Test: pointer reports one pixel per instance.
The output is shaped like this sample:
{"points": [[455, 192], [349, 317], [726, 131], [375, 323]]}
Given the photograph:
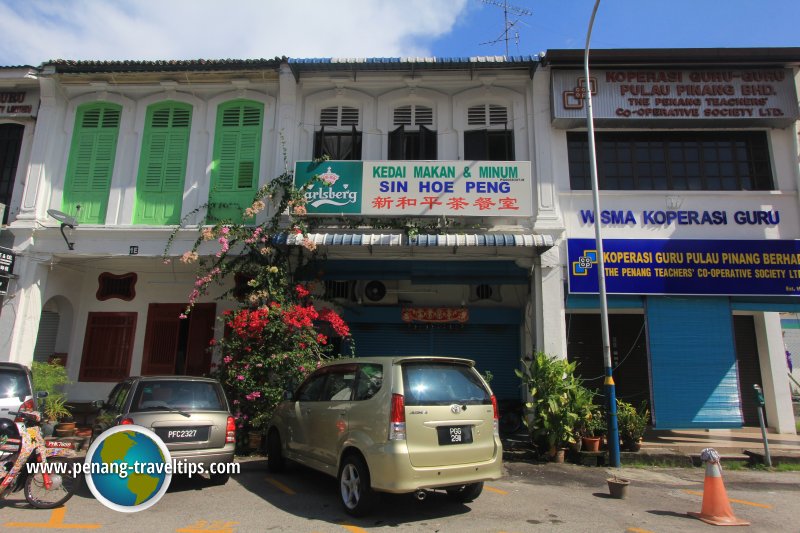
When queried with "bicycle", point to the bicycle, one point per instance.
{"points": [[43, 489]]}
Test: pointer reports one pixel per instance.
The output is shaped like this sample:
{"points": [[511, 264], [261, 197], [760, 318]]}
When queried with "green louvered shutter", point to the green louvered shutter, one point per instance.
{"points": [[237, 149], [91, 162], [162, 168]]}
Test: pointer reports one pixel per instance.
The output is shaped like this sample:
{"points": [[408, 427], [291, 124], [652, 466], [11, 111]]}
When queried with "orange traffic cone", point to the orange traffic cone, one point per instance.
{"points": [[716, 509]]}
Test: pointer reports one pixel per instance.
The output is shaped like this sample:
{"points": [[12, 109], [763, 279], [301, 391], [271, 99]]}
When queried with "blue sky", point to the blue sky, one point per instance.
{"points": [[34, 31]]}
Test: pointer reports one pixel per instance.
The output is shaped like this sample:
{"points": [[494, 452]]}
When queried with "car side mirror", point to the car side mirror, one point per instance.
{"points": [[288, 395], [98, 404]]}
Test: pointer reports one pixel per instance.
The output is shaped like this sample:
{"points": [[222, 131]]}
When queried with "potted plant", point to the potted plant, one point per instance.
{"points": [[594, 429], [581, 402], [551, 384], [632, 424], [51, 378]]}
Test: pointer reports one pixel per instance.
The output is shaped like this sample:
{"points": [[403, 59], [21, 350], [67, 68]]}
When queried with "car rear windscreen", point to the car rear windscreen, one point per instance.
{"points": [[426, 383], [13, 384], [184, 395]]}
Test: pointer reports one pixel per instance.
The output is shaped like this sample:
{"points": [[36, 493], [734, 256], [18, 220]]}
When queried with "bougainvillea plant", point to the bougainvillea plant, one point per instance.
{"points": [[278, 333]]}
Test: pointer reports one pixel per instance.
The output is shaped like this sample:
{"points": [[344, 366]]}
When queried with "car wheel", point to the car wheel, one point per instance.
{"points": [[275, 461], [219, 479], [465, 493], [358, 497]]}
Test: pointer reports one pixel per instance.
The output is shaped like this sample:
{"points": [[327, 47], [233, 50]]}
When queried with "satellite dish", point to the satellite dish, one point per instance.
{"points": [[66, 222], [62, 217]]}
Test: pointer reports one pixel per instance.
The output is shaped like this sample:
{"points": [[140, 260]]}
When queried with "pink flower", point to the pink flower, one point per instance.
{"points": [[182, 316], [225, 230], [240, 377], [227, 358]]}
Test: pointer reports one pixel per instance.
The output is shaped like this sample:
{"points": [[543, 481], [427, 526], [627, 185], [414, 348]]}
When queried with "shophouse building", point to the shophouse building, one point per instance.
{"points": [[425, 242], [697, 160], [458, 220]]}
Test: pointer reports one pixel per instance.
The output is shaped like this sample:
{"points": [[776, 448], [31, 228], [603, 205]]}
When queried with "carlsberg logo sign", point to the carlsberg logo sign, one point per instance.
{"points": [[338, 189]]}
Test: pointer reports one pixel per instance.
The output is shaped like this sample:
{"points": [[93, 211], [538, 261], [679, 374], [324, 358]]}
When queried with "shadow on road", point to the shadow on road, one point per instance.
{"points": [[316, 497]]}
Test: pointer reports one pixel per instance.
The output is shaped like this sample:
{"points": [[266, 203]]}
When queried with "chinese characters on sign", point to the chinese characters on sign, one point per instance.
{"points": [[436, 315], [680, 266], [6, 270], [419, 188]]}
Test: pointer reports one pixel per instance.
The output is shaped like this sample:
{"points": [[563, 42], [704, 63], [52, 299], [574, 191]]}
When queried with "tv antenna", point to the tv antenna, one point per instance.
{"points": [[514, 10]]}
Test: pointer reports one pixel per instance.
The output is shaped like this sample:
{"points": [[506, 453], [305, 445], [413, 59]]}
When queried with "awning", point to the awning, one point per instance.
{"points": [[527, 240]]}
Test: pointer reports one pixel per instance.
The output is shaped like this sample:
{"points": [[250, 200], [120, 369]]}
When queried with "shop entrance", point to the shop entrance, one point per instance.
{"points": [[744, 331], [493, 347], [628, 354]]}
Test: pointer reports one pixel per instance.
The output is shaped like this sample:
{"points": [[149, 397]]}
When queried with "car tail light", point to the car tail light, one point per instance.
{"points": [[397, 425], [230, 430], [126, 422], [27, 405], [496, 421]]}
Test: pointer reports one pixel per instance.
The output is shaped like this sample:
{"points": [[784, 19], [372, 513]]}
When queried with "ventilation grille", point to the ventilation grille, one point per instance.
{"points": [[416, 115], [483, 115], [101, 118], [339, 116], [342, 290]]}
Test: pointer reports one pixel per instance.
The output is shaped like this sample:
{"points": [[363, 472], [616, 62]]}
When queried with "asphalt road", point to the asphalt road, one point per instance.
{"points": [[531, 497]]}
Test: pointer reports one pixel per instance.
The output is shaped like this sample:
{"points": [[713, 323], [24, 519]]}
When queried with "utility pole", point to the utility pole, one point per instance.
{"points": [[608, 384], [507, 8]]}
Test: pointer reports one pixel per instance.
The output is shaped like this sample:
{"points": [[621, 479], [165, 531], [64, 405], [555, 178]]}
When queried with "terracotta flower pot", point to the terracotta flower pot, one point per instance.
{"points": [[590, 444], [254, 440]]}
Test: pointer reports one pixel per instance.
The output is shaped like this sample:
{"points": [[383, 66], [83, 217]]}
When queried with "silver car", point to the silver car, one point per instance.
{"points": [[190, 414], [392, 424], [16, 391]]}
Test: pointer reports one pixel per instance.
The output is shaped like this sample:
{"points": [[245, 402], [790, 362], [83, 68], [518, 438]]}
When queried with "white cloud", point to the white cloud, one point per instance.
{"points": [[35, 31]]}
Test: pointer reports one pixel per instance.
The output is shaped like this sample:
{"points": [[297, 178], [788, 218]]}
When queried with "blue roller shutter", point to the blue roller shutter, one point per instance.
{"points": [[693, 363], [495, 348]]}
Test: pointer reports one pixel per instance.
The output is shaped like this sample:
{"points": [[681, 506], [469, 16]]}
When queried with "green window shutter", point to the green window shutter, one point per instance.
{"points": [[237, 151], [162, 167], [91, 162]]}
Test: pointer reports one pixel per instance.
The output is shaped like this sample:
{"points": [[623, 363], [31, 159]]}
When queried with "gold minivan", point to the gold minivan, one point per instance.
{"points": [[391, 424]]}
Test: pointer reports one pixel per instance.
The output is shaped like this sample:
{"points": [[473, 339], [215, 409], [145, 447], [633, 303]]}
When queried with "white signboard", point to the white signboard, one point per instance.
{"points": [[419, 188], [755, 97], [15, 103]]}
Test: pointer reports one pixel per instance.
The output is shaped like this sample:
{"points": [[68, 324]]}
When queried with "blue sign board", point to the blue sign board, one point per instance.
{"points": [[681, 266]]}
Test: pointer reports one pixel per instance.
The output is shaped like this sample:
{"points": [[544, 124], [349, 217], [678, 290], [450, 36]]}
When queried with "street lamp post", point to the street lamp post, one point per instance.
{"points": [[608, 384]]}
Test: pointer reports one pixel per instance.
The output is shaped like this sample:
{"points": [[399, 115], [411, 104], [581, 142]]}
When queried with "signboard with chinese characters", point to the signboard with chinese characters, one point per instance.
{"points": [[6, 270], [764, 97], [18, 103], [418, 188], [685, 266]]}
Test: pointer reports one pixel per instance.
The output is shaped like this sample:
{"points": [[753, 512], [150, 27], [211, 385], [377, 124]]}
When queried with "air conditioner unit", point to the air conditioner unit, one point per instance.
{"points": [[376, 292], [484, 292]]}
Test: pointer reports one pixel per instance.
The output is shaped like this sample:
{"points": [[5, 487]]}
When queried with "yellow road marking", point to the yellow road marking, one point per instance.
{"points": [[56, 522], [354, 529], [206, 526], [638, 530], [280, 486], [492, 489], [743, 502]]}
